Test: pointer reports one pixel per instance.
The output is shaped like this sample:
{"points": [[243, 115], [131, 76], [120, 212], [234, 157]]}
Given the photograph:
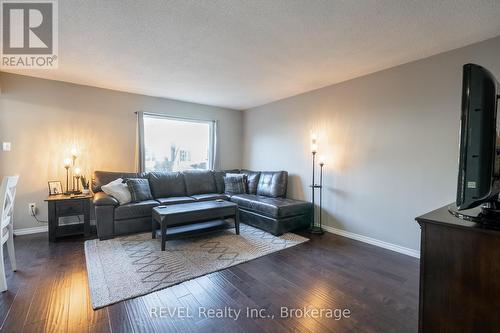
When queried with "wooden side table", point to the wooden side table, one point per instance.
{"points": [[66, 205]]}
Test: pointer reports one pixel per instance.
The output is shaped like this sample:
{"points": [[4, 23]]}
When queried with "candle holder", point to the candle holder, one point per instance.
{"points": [[74, 174], [74, 155], [67, 164], [77, 190], [78, 174]]}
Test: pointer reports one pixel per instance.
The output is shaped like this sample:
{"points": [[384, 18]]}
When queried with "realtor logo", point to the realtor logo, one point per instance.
{"points": [[29, 34]]}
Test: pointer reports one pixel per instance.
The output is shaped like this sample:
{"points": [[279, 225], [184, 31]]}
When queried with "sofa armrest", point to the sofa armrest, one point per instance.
{"points": [[104, 214], [105, 221], [102, 199]]}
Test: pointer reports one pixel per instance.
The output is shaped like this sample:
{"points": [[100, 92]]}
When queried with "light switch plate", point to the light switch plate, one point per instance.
{"points": [[6, 146]]}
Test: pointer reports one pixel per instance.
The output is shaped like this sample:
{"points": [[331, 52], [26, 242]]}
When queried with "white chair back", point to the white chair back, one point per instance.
{"points": [[7, 198]]}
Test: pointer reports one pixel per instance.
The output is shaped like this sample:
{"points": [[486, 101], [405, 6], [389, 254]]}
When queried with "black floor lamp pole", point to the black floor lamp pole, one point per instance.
{"points": [[313, 188], [321, 164], [314, 229]]}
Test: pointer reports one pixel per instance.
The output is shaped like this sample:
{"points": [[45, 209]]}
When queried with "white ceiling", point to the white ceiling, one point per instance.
{"points": [[241, 54]]}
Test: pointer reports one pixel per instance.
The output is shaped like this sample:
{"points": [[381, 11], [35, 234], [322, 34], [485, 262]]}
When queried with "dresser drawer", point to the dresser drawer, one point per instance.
{"points": [[69, 208]]}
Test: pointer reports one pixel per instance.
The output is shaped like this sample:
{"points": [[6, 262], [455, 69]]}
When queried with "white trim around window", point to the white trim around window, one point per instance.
{"points": [[145, 162]]}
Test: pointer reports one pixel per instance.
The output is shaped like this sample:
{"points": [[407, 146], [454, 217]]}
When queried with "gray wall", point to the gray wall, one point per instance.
{"points": [[44, 118], [390, 139]]}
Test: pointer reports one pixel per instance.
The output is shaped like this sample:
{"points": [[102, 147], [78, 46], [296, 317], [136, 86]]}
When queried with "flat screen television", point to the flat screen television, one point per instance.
{"points": [[479, 160]]}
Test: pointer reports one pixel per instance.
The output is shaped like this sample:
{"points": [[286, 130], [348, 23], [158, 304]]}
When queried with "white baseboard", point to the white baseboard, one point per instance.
{"points": [[373, 241], [28, 231]]}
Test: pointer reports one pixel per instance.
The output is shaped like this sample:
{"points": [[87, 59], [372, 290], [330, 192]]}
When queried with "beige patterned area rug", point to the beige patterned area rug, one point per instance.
{"points": [[131, 266]]}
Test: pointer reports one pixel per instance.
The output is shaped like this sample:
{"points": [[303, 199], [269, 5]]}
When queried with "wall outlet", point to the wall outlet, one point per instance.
{"points": [[6, 146], [32, 209]]}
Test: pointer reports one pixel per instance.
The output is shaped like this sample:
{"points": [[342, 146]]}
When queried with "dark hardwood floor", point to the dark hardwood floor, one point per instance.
{"points": [[49, 292]]}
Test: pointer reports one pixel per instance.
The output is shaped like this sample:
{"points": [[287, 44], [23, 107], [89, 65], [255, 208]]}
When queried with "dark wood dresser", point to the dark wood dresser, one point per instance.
{"points": [[459, 275]]}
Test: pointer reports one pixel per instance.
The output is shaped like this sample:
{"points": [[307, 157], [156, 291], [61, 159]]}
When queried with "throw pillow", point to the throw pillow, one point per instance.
{"points": [[235, 183], [139, 189], [118, 190]]}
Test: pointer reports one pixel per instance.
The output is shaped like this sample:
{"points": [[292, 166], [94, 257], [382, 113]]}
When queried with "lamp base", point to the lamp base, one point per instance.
{"points": [[316, 230], [72, 192]]}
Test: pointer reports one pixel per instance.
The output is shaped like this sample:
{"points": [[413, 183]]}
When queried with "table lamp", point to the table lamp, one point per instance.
{"points": [[67, 165]]}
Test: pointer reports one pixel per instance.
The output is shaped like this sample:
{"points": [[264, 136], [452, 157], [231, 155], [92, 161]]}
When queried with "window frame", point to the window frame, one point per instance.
{"points": [[212, 143]]}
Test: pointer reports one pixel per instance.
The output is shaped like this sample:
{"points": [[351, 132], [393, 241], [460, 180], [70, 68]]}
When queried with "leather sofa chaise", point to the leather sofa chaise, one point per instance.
{"points": [[264, 204]]}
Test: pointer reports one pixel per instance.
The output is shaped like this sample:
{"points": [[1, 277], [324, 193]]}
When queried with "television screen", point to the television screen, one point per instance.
{"points": [[479, 160]]}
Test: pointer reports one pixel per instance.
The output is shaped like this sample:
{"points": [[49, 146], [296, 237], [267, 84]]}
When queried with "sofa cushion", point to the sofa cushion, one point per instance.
{"points": [[210, 196], [175, 200], [252, 180], [199, 182], [272, 207], [219, 181], [167, 184], [118, 190], [274, 226], [135, 210], [235, 184], [104, 177], [272, 183], [139, 189], [219, 178]]}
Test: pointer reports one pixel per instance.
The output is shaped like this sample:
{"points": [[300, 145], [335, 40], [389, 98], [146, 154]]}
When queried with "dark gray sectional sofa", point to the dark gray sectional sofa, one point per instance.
{"points": [[263, 206]]}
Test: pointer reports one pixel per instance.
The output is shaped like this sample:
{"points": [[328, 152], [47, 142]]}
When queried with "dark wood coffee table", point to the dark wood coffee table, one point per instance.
{"points": [[193, 217]]}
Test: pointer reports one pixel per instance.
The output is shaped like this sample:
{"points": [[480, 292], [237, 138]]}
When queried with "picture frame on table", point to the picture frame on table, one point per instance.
{"points": [[55, 187]]}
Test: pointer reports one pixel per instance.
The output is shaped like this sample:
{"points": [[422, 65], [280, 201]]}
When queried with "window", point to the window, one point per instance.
{"points": [[175, 144]]}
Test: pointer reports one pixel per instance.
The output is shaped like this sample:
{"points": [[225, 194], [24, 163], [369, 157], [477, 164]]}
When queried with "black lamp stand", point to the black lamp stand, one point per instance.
{"points": [[316, 228]]}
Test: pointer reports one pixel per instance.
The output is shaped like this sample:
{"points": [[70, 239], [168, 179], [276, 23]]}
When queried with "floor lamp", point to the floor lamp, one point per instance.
{"points": [[316, 229]]}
